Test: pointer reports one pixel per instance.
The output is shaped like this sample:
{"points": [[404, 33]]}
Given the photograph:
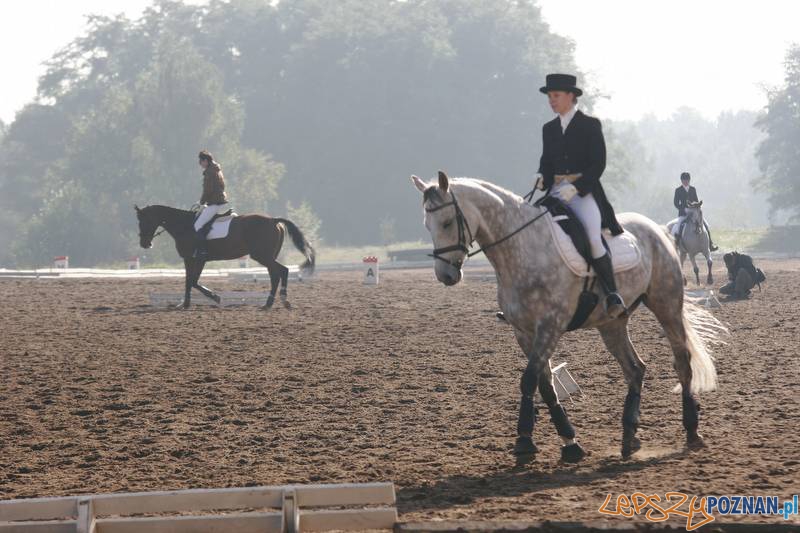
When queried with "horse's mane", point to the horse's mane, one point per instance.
{"points": [[175, 210]]}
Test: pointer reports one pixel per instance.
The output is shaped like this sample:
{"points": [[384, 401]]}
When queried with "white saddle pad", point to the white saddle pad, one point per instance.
{"points": [[625, 252], [220, 227]]}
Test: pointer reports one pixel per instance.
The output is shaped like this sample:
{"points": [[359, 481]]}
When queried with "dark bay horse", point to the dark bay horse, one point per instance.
{"points": [[257, 235]]}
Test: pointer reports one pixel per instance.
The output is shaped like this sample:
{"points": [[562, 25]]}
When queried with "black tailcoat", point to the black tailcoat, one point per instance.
{"points": [[580, 149], [682, 199]]}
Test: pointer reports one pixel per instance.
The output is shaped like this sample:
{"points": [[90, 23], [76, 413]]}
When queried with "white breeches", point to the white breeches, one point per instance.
{"points": [[585, 208], [676, 224], [207, 213]]}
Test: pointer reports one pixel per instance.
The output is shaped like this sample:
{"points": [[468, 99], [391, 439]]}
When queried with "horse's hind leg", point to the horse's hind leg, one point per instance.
{"points": [[284, 278], [274, 279], [616, 338], [667, 306]]}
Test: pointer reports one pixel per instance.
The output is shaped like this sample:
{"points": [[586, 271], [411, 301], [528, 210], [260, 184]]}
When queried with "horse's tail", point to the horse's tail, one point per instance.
{"points": [[301, 243], [702, 331]]}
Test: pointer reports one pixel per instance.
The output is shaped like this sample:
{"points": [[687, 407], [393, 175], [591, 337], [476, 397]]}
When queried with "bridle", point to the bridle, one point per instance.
{"points": [[155, 233], [463, 245]]}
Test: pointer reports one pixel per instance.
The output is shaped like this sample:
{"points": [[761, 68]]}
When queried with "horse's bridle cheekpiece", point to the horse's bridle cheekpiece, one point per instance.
{"points": [[463, 245]]}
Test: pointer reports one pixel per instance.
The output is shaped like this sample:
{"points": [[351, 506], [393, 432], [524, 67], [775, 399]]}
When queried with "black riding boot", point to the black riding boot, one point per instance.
{"points": [[615, 307], [711, 246], [200, 246]]}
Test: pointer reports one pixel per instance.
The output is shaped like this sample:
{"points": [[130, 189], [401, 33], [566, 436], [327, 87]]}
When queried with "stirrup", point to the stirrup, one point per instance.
{"points": [[615, 305]]}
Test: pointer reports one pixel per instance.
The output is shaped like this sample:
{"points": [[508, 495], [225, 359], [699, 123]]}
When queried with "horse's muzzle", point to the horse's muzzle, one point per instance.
{"points": [[449, 277]]}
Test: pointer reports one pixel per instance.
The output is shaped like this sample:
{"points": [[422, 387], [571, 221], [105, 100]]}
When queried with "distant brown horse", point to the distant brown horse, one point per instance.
{"points": [[257, 235]]}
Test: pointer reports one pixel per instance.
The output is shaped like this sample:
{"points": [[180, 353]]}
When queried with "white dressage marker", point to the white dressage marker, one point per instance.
{"points": [[342, 507], [227, 299], [61, 261], [370, 270]]}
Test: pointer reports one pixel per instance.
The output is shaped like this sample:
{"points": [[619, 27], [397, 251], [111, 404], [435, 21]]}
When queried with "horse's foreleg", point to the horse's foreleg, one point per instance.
{"points": [[538, 348], [710, 263], [208, 293], [695, 268], [189, 281], [527, 413], [615, 336], [683, 260], [571, 451]]}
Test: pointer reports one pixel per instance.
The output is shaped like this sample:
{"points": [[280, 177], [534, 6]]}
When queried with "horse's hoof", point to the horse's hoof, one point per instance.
{"points": [[695, 442], [287, 305], [631, 446], [525, 446], [217, 298], [572, 453]]}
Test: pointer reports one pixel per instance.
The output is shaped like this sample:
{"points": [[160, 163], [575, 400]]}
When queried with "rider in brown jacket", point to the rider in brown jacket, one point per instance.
{"points": [[213, 199]]}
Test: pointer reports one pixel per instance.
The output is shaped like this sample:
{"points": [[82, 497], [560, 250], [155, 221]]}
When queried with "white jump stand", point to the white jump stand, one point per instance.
{"points": [[61, 261], [133, 263]]}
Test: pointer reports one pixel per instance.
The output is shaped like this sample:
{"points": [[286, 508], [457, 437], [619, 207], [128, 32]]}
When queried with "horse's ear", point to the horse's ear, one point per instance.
{"points": [[444, 181], [136, 207], [700, 203], [418, 183]]}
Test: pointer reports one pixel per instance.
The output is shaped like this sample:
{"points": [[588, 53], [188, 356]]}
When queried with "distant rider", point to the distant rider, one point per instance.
{"points": [[213, 201], [684, 195]]}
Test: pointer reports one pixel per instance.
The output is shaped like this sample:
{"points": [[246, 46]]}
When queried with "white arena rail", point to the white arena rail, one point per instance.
{"points": [[344, 507]]}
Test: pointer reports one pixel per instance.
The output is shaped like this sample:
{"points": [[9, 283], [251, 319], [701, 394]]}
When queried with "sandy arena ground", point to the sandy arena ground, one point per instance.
{"points": [[408, 382]]}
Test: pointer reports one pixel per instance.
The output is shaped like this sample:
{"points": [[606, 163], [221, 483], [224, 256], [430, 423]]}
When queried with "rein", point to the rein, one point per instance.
{"points": [[463, 245]]}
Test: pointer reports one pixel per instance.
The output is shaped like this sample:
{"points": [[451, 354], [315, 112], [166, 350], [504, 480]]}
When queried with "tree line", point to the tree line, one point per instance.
{"points": [[324, 106]]}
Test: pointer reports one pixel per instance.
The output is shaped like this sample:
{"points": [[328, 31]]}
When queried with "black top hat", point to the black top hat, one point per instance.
{"points": [[685, 176], [561, 82]]}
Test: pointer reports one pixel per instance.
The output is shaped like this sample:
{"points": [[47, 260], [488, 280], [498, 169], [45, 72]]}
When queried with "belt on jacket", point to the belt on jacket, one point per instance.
{"points": [[569, 178]]}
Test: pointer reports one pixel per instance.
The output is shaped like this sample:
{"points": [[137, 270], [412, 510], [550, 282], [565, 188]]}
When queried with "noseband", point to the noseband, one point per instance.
{"points": [[463, 245]]}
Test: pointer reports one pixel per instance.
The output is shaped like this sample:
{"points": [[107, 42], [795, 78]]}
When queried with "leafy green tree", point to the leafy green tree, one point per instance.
{"points": [[305, 218], [778, 154]]}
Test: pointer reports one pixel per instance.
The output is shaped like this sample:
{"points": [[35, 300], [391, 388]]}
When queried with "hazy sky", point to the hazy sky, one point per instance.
{"points": [[648, 56]]}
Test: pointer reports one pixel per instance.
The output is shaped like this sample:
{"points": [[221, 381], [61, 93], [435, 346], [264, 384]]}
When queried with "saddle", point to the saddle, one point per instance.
{"points": [[218, 226], [573, 245]]}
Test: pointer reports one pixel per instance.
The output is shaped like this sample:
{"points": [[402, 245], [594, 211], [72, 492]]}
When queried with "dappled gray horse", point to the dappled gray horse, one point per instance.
{"points": [[694, 240], [539, 294]]}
